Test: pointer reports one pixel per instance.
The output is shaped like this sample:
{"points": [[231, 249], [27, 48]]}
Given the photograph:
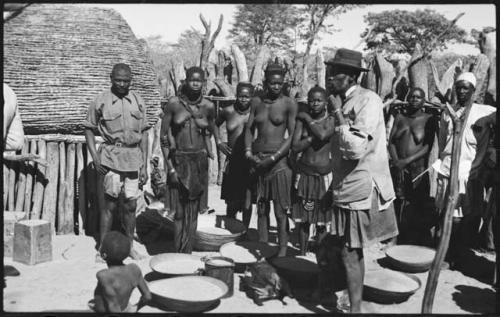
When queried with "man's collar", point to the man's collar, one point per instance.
{"points": [[114, 97], [349, 92]]}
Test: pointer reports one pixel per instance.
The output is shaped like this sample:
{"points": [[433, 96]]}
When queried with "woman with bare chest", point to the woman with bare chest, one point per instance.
{"points": [[187, 118], [235, 188], [271, 117], [410, 142]]}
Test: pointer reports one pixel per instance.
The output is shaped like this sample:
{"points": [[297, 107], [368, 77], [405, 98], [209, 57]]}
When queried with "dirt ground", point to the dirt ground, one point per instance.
{"points": [[68, 281]]}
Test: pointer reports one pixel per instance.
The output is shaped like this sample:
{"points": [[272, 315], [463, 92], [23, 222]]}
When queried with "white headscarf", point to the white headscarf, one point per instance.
{"points": [[467, 76]]}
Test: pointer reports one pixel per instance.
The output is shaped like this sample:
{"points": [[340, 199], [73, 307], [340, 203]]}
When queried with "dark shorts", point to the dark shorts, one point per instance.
{"points": [[312, 201]]}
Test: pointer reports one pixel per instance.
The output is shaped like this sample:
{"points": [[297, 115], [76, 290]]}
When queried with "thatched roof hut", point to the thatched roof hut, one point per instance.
{"points": [[57, 57]]}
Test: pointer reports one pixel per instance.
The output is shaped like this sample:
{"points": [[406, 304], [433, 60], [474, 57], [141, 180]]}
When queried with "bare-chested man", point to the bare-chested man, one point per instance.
{"points": [[313, 167], [187, 118], [273, 117], [235, 188], [116, 283], [410, 142]]}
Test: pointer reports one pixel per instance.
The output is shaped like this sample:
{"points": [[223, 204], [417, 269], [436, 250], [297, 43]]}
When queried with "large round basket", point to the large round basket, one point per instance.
{"points": [[410, 258], [187, 294], [211, 239], [177, 264], [244, 253], [387, 286], [299, 271]]}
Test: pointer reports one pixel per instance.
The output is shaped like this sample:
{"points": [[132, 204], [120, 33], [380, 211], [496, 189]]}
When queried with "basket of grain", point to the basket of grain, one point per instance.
{"points": [[210, 236], [177, 264], [387, 286], [244, 253], [410, 258], [299, 271], [188, 294]]}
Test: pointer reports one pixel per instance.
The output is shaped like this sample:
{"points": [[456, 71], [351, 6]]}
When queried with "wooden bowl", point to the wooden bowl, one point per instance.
{"points": [[208, 239], [187, 294], [410, 258], [244, 253], [387, 286], [299, 271], [176, 264]]}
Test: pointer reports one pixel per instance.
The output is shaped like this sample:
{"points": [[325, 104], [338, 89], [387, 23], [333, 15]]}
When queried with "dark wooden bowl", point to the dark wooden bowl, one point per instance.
{"points": [[410, 258]]}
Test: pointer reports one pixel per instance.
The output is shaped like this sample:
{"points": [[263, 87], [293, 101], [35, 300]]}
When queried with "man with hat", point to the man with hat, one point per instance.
{"points": [[272, 116], [119, 115], [363, 213], [479, 123]]}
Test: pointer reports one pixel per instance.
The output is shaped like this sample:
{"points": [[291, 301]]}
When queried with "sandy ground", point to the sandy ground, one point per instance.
{"points": [[68, 281]]}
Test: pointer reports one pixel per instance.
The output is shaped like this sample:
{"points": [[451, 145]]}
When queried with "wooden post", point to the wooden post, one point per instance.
{"points": [[21, 185], [370, 79], [50, 193], [29, 180], [62, 186], [417, 72], [207, 42], [80, 189], [480, 70], [385, 74], [12, 185], [240, 63], [320, 68], [488, 46], [69, 198], [5, 182], [91, 191], [257, 72], [40, 182], [432, 279]]}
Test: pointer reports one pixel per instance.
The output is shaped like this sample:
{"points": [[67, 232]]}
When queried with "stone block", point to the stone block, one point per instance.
{"points": [[9, 220], [32, 242]]}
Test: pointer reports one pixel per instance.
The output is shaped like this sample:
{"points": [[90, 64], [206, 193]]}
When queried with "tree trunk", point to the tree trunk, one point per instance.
{"points": [[417, 72], [241, 63], [480, 70], [320, 69], [207, 42]]}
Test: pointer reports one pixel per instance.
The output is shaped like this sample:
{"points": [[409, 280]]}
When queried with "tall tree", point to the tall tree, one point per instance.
{"points": [[400, 30], [272, 25]]}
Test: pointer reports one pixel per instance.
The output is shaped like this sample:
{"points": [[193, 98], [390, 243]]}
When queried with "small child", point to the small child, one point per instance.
{"points": [[116, 283]]}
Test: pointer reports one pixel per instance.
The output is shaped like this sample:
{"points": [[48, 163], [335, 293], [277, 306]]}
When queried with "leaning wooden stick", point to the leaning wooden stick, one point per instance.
{"points": [[432, 279]]}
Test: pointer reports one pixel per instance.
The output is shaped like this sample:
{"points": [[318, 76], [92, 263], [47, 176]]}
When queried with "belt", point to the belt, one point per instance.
{"points": [[119, 144]]}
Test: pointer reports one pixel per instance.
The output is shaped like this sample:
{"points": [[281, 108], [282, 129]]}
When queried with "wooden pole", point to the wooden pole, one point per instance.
{"points": [[50, 193], [40, 182], [80, 189], [240, 63], [62, 187], [432, 279], [21, 185], [488, 46], [385, 74], [69, 198], [29, 179], [256, 77], [320, 68], [480, 70], [5, 182], [12, 185]]}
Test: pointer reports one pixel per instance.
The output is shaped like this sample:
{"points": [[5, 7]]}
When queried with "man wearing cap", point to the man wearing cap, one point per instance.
{"points": [[363, 212], [272, 116], [479, 120], [119, 115]]}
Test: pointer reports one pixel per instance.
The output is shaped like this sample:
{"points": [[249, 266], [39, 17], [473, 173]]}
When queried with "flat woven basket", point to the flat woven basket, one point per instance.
{"points": [[205, 241]]}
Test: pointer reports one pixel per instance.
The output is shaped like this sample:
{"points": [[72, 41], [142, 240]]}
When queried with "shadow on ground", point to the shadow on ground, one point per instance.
{"points": [[477, 266], [474, 299]]}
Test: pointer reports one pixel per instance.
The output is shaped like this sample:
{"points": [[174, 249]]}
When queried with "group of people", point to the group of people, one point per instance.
{"points": [[328, 164]]}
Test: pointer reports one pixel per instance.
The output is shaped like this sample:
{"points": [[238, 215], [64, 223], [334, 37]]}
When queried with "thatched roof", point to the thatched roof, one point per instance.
{"points": [[57, 57]]}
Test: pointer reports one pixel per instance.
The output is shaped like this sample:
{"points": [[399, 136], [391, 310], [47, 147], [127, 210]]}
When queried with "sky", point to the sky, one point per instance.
{"points": [[170, 20]]}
